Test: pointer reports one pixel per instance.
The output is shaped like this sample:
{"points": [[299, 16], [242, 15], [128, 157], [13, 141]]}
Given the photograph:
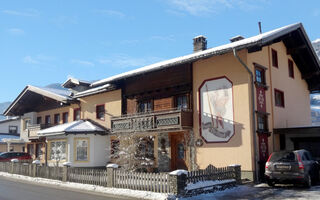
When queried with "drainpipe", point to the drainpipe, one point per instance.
{"points": [[253, 112]]}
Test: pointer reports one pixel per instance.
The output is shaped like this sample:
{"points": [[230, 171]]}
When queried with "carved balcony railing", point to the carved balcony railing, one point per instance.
{"points": [[34, 128], [153, 121]]}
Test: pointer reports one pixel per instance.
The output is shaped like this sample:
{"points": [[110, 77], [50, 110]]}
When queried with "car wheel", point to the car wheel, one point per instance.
{"points": [[308, 181], [270, 183]]}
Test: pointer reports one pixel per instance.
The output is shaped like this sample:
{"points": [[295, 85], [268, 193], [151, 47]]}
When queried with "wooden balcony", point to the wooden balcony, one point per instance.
{"points": [[34, 128], [168, 120]]}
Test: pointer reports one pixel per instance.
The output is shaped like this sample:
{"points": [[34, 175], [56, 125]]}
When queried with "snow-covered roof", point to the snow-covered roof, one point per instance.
{"points": [[9, 119], [92, 91], [261, 39], [13, 138], [56, 94], [79, 126]]}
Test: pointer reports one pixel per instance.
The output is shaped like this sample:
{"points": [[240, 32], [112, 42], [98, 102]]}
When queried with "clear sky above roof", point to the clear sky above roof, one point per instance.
{"points": [[46, 42]]}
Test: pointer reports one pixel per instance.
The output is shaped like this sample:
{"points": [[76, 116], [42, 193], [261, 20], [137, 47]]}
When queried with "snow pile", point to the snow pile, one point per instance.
{"points": [[203, 184], [67, 164], [178, 172], [37, 162], [92, 188], [111, 165], [14, 160]]}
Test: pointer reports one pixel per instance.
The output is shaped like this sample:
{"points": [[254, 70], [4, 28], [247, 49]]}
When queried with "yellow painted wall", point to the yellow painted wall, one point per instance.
{"points": [[112, 101], [239, 149], [296, 95], [16, 147]]}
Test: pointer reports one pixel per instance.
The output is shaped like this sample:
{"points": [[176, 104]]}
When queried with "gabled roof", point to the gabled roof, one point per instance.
{"points": [[294, 36], [58, 95], [9, 119], [75, 127]]}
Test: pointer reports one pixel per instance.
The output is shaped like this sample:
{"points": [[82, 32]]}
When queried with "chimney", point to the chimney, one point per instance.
{"points": [[236, 38], [199, 43]]}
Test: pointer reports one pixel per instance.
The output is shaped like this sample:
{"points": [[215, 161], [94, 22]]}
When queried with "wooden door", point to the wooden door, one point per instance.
{"points": [[178, 151]]}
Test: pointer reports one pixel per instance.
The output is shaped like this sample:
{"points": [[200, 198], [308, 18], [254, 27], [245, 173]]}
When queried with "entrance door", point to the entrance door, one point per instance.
{"points": [[178, 151]]}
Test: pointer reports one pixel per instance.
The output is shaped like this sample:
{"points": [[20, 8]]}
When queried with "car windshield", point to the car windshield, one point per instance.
{"points": [[283, 156]]}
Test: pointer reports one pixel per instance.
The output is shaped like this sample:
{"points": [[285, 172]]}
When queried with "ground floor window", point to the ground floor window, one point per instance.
{"points": [[145, 148], [58, 150], [30, 149], [39, 151], [115, 146], [82, 149]]}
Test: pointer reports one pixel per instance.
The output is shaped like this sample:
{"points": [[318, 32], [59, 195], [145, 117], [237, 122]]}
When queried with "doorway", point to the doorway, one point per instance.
{"points": [[178, 151]]}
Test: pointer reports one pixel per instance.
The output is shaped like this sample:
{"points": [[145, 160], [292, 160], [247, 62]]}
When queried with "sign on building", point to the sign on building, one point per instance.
{"points": [[216, 110]]}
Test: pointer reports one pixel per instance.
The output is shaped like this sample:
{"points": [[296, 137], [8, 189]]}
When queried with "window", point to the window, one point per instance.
{"points": [[26, 123], [65, 117], [30, 149], [39, 120], [39, 151], [279, 98], [274, 58], [100, 112], [13, 129], [58, 150], [47, 119], [260, 75], [76, 114], [262, 123], [115, 146], [56, 118], [290, 68], [145, 148], [144, 106], [182, 102], [82, 149]]}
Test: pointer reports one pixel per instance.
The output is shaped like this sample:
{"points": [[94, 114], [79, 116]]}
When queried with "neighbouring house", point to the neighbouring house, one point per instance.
{"points": [[44, 109], [217, 106], [83, 143], [10, 135]]}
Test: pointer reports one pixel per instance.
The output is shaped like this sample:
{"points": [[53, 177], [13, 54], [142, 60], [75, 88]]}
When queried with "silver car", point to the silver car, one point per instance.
{"points": [[297, 167]]}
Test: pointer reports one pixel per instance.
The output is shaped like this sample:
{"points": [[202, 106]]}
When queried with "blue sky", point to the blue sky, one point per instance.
{"points": [[45, 42]]}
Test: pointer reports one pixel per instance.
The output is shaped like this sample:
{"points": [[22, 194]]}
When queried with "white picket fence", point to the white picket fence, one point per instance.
{"points": [[155, 182]]}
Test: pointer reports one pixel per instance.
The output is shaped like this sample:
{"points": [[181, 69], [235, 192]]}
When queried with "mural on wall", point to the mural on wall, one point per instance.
{"points": [[216, 110]]}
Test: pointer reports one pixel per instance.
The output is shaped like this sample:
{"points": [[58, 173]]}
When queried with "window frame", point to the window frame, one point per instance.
{"points": [[274, 57], [39, 120], [47, 121], [291, 68], [114, 148], [145, 102], [75, 154], [56, 118], [50, 150], [16, 130], [264, 117], [104, 112], [181, 96], [75, 110], [65, 120], [282, 98]]}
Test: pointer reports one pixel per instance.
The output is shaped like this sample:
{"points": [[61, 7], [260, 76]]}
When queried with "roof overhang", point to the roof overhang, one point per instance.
{"points": [[33, 98], [294, 37], [304, 130]]}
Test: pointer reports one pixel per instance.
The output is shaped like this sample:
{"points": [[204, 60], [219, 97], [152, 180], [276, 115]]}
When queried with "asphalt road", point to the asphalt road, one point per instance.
{"points": [[15, 190]]}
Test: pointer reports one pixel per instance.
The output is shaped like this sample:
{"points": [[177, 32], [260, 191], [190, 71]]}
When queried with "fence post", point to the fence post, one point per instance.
{"points": [[237, 172], [177, 182], [65, 173], [110, 174]]}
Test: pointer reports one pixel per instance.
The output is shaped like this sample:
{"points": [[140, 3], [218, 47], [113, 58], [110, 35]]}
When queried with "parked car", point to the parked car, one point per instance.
{"points": [[8, 156], [297, 167]]}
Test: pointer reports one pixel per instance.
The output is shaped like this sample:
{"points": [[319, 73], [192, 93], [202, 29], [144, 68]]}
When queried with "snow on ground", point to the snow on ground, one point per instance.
{"points": [[87, 187], [201, 184]]}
